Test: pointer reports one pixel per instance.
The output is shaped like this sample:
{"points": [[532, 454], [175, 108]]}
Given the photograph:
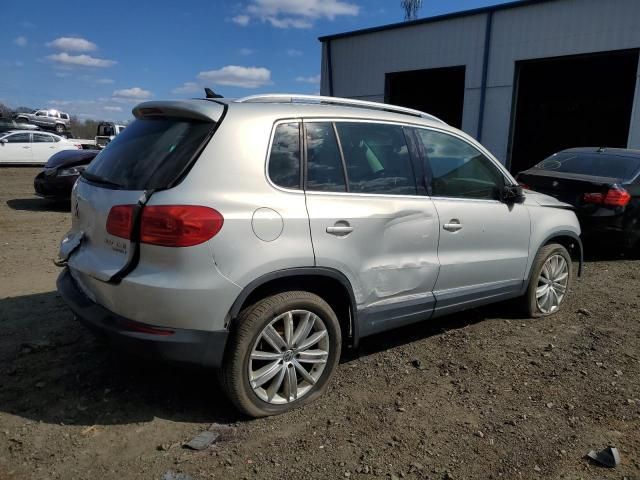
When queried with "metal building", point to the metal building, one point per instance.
{"points": [[526, 78]]}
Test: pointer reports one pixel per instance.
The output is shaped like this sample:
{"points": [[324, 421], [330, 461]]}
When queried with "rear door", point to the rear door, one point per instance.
{"points": [[150, 155], [44, 145], [368, 222], [484, 242], [17, 149]]}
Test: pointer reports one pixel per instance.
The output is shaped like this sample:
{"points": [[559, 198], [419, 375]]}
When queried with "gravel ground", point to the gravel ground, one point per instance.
{"points": [[481, 395]]}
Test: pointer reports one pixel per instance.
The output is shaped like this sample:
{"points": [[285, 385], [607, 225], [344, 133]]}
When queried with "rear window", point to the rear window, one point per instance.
{"points": [[150, 153], [596, 164]]}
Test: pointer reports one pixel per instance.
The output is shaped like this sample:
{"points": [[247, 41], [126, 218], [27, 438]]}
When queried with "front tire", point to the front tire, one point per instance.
{"points": [[281, 354], [549, 282], [60, 128]]}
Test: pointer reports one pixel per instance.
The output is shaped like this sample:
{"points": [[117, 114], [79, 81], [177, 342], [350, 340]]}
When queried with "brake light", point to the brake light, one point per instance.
{"points": [[616, 196], [78, 146], [167, 225], [524, 185], [120, 221]]}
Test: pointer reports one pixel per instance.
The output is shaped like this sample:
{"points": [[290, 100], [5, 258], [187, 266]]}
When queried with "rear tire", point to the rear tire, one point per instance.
{"points": [[281, 354], [549, 282]]}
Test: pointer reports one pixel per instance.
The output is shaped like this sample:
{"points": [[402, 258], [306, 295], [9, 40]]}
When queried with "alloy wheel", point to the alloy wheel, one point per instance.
{"points": [[288, 357], [552, 284]]}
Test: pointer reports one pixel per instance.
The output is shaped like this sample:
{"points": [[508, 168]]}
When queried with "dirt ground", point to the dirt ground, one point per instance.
{"points": [[481, 395]]}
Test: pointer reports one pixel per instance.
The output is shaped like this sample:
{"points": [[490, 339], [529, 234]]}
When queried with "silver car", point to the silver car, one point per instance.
{"points": [[259, 235]]}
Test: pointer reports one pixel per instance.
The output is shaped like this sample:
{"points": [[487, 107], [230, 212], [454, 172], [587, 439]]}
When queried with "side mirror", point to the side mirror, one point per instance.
{"points": [[3, 141], [512, 194]]}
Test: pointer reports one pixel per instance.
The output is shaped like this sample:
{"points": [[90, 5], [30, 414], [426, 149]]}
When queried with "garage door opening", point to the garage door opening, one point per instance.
{"points": [[438, 91], [565, 102]]}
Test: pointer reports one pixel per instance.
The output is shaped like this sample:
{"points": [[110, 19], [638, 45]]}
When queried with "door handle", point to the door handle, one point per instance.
{"points": [[26, 147], [453, 226], [340, 229]]}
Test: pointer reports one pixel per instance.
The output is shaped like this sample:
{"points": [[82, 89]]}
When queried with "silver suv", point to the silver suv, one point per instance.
{"points": [[260, 235], [49, 119]]}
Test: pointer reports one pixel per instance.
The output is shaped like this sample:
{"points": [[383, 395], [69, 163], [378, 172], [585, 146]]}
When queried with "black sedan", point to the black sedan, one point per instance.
{"points": [[60, 173], [603, 184]]}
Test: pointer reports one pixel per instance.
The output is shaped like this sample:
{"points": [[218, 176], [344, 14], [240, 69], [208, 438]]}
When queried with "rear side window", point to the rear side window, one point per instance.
{"points": [[42, 138], [324, 164], [596, 164], [377, 158], [284, 160], [151, 153], [459, 169]]}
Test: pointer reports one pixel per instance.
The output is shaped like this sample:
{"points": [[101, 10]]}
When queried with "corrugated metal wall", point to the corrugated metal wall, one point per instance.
{"points": [[557, 28]]}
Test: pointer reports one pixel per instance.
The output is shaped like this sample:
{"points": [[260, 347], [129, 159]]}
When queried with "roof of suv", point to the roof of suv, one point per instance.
{"points": [[293, 105]]}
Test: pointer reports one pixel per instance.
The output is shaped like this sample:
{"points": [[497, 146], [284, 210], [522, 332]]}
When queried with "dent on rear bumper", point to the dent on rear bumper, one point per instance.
{"points": [[180, 345]]}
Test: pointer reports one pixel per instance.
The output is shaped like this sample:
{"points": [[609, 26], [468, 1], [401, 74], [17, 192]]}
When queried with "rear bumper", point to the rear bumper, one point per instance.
{"points": [[615, 231], [195, 347]]}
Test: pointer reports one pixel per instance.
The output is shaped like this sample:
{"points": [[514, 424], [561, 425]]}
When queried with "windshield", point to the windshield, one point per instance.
{"points": [[593, 164], [151, 153]]}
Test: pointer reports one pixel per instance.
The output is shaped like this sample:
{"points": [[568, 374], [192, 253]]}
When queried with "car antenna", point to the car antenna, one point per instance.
{"points": [[211, 94]]}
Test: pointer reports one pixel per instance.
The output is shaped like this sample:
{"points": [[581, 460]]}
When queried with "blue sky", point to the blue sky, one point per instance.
{"points": [[98, 59]]}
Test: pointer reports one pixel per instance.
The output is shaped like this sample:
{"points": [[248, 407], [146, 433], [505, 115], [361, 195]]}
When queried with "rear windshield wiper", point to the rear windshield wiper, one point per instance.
{"points": [[98, 179]]}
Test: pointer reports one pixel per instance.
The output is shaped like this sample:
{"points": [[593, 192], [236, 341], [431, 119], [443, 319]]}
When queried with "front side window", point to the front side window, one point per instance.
{"points": [[42, 138], [459, 169], [377, 158], [324, 164], [18, 138], [284, 160], [41, 113]]}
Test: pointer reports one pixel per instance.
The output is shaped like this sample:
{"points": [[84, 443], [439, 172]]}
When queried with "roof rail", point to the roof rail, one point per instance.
{"points": [[347, 102]]}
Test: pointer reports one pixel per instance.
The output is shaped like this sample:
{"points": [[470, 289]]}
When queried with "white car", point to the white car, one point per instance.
{"points": [[25, 147]]}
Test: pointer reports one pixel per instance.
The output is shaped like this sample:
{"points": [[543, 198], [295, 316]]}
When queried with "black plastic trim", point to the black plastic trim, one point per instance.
{"points": [[301, 271]]}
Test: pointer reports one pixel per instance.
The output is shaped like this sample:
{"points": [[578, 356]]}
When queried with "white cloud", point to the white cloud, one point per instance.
{"points": [[112, 108], [62, 74], [133, 94], [292, 52], [296, 13], [73, 44], [315, 79], [81, 60], [242, 20], [246, 52], [233, 75], [187, 87], [21, 41], [104, 81]]}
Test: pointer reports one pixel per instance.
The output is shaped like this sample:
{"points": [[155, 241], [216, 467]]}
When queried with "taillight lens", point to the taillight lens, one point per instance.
{"points": [[179, 225], [120, 221], [167, 225], [616, 196]]}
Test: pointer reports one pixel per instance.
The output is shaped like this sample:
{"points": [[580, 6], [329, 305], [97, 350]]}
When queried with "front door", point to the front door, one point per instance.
{"points": [[17, 149], [368, 222], [484, 242]]}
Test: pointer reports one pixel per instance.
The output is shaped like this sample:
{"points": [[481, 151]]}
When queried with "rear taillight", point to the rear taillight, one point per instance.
{"points": [[167, 225], [524, 185], [616, 196], [120, 221]]}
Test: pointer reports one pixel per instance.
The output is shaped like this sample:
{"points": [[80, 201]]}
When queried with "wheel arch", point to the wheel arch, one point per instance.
{"points": [[569, 240], [331, 285]]}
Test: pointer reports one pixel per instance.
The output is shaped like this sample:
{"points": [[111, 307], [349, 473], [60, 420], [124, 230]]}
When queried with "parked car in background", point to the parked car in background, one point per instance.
{"points": [[26, 147], [60, 173], [603, 184], [256, 235], [107, 131], [48, 119], [7, 124]]}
